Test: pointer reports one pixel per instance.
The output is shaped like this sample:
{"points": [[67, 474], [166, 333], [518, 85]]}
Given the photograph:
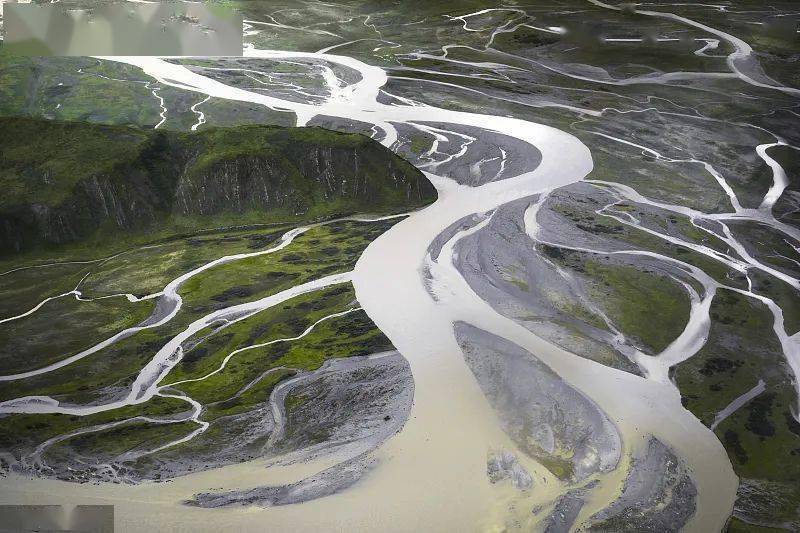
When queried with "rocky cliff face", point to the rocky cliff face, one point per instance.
{"points": [[290, 173], [308, 175]]}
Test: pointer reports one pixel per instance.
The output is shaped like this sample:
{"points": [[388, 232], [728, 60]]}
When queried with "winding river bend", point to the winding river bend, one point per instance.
{"points": [[432, 474]]}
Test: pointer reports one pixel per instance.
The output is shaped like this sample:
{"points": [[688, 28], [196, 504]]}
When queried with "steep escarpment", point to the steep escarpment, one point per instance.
{"points": [[65, 181]]}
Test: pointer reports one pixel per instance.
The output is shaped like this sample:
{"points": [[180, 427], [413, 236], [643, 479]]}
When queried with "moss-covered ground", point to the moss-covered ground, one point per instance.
{"points": [[248, 377], [636, 239], [64, 327], [26, 431], [762, 437], [627, 294]]}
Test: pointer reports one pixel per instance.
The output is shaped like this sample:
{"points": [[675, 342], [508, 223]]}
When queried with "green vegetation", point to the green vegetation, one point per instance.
{"points": [[93, 378], [740, 345], [573, 308], [629, 296], [248, 378], [283, 322], [140, 270], [783, 294], [70, 182], [320, 251], [679, 184], [584, 218], [22, 431], [419, 144], [64, 327], [762, 437], [323, 250], [24, 289], [228, 113], [738, 526], [44, 166], [242, 386], [109, 443], [75, 88], [512, 273], [243, 401], [349, 335]]}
